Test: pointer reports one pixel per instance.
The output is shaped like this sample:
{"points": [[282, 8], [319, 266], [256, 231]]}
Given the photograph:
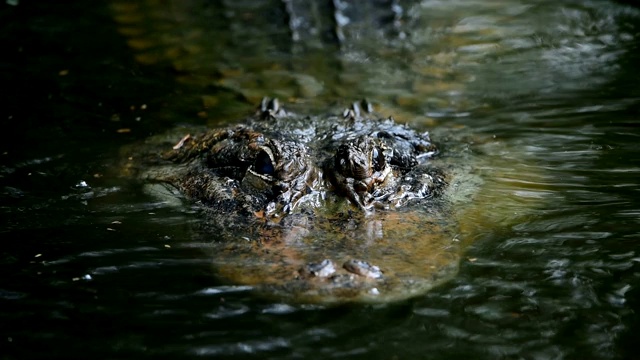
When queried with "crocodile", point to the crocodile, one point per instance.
{"points": [[348, 208], [316, 208]]}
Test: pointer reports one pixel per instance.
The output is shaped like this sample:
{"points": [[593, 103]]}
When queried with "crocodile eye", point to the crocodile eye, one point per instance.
{"points": [[341, 162], [378, 159], [263, 164]]}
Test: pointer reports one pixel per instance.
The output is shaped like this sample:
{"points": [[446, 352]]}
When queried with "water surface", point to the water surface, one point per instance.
{"points": [[95, 267]]}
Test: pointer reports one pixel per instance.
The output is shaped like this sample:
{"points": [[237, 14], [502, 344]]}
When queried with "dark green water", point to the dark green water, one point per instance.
{"points": [[93, 267]]}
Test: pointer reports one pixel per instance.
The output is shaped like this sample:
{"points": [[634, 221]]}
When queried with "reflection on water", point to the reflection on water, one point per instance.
{"points": [[431, 57], [552, 267]]}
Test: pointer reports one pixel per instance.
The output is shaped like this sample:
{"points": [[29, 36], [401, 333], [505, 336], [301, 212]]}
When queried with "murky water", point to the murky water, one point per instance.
{"points": [[95, 267]]}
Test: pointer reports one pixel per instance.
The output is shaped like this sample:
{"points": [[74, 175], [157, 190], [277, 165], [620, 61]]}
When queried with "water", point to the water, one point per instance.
{"points": [[95, 267]]}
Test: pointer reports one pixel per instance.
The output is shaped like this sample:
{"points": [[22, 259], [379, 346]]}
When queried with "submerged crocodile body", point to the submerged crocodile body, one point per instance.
{"points": [[329, 208], [426, 62]]}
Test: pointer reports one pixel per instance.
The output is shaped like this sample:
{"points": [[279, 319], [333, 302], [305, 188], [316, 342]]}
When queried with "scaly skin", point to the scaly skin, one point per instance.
{"points": [[338, 208]]}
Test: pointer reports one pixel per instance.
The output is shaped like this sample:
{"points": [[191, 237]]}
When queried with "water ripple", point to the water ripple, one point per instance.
{"points": [[242, 347]]}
